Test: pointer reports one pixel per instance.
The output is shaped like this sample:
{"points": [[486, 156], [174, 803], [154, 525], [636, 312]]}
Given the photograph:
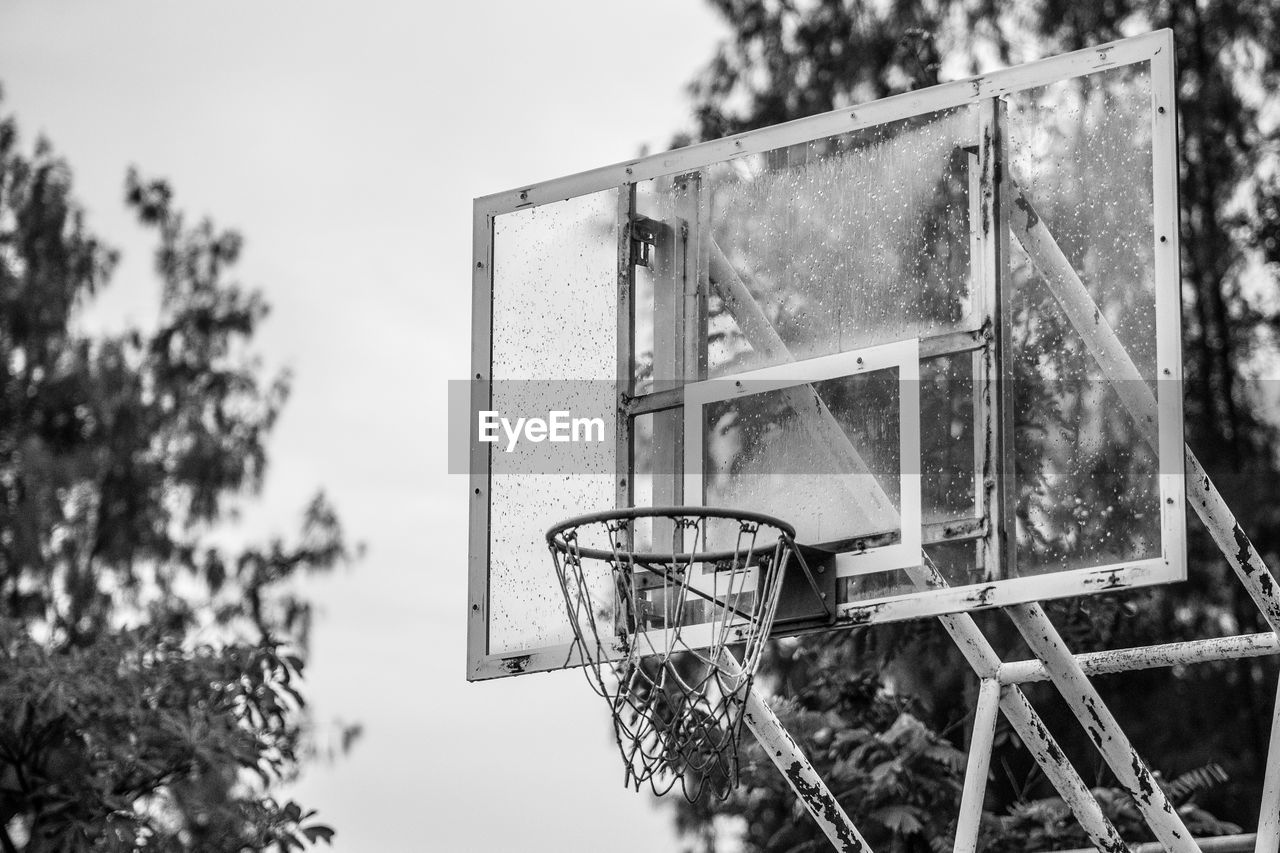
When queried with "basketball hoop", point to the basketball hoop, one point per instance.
{"points": [[653, 629]]}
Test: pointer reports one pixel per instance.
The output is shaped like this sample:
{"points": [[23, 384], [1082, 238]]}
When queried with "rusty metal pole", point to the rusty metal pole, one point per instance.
{"points": [[982, 658], [1087, 706], [975, 775], [786, 754], [1231, 539], [1151, 657], [1066, 781], [790, 759]]}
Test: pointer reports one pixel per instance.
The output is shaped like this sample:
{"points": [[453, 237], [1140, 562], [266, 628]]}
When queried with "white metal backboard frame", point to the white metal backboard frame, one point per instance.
{"points": [[1155, 48]]}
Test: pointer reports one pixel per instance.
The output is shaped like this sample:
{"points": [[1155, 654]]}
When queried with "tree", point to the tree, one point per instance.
{"points": [[148, 675], [784, 59]]}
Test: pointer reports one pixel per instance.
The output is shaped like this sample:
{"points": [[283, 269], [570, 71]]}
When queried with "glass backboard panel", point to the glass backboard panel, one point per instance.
{"points": [[1018, 231], [846, 241], [1087, 482], [554, 275]]}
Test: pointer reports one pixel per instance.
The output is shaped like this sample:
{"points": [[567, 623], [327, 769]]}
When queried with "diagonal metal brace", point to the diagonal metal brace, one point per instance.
{"points": [[1087, 705], [1017, 709], [814, 794], [787, 756]]}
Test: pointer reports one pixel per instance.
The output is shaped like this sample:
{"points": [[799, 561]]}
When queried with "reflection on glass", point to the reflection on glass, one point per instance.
{"points": [[766, 452], [843, 242], [1087, 484], [948, 482], [656, 453]]}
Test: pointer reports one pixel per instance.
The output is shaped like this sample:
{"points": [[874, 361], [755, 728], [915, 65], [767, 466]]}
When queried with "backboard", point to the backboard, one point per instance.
{"points": [[938, 333]]}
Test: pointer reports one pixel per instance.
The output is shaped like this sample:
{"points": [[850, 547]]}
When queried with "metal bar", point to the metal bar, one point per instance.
{"points": [[952, 530], [995, 385], [814, 795], [1213, 844], [1087, 706], [624, 458], [969, 820], [1269, 806], [698, 294], [667, 276], [667, 268], [655, 401], [934, 346], [984, 661], [936, 602], [980, 361], [479, 458], [1058, 770], [742, 305], [1150, 657], [1248, 564], [952, 343]]}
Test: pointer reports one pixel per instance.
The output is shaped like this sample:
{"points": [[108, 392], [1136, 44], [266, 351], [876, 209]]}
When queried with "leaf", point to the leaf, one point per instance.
{"points": [[318, 832], [1193, 782], [946, 754], [900, 819], [906, 732]]}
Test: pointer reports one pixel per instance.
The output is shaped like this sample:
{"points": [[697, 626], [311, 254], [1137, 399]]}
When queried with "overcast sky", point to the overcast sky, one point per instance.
{"points": [[346, 142]]}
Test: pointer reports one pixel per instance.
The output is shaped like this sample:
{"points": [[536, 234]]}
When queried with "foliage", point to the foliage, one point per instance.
{"points": [[896, 778], [149, 687], [784, 59], [1047, 824], [134, 741]]}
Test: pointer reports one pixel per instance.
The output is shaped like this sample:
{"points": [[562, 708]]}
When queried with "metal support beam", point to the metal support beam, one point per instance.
{"points": [[1213, 844], [1150, 657], [1058, 770], [1087, 705], [1017, 709], [786, 754], [975, 775], [1209, 504]]}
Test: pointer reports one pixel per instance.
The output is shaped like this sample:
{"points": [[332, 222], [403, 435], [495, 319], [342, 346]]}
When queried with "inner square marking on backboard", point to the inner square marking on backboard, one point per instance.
{"points": [[852, 479]]}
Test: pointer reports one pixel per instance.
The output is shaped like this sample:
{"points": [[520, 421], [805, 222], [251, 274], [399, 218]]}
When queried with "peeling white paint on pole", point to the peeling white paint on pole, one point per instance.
{"points": [[1059, 771], [786, 754], [1087, 706], [1150, 657], [1026, 722], [975, 775]]}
